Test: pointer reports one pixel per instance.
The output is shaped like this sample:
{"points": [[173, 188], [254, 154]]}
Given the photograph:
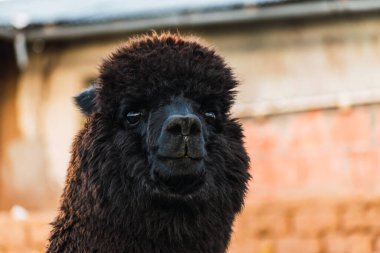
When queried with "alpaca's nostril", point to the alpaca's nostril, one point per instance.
{"points": [[174, 129], [195, 127]]}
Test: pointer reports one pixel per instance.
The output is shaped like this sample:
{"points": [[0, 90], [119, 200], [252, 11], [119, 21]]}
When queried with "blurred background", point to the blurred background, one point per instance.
{"points": [[309, 103]]}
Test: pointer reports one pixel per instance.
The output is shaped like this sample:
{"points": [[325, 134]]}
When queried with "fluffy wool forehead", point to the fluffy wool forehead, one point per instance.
{"points": [[157, 66]]}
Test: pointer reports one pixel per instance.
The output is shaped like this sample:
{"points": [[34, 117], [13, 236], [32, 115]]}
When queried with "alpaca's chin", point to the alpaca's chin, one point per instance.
{"points": [[180, 177]]}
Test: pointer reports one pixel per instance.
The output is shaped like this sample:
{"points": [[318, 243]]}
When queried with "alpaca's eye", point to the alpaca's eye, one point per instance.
{"points": [[210, 116], [133, 117]]}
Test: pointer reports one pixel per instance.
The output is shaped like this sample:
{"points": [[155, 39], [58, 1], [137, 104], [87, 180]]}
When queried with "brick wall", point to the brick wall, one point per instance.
{"points": [[319, 153], [316, 183], [315, 187], [24, 236], [309, 226]]}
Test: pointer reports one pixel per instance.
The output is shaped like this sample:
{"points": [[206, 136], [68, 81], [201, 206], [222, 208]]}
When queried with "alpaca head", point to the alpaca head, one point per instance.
{"points": [[163, 102]]}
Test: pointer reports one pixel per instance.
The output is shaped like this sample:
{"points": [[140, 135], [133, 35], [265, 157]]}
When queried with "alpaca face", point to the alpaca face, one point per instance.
{"points": [[164, 107], [174, 133]]}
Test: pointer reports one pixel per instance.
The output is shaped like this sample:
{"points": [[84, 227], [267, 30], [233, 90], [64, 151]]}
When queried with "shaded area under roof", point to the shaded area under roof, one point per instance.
{"points": [[22, 13]]}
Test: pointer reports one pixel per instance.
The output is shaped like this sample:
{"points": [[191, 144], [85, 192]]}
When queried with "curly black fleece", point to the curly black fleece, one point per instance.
{"points": [[109, 204]]}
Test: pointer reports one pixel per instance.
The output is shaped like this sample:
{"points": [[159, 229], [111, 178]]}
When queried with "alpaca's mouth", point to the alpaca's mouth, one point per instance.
{"points": [[180, 175], [181, 166], [179, 185]]}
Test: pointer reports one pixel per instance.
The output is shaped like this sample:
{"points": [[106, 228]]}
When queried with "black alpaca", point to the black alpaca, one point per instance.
{"points": [[159, 166]]}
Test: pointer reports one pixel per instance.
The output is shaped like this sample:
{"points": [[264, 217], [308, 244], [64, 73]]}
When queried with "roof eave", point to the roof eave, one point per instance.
{"points": [[289, 11]]}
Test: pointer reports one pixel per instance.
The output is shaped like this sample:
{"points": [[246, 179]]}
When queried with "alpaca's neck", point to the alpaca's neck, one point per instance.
{"points": [[169, 229], [173, 232], [141, 226]]}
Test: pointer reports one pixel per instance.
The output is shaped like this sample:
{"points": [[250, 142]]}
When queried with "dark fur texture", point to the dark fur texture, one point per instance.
{"points": [[111, 203]]}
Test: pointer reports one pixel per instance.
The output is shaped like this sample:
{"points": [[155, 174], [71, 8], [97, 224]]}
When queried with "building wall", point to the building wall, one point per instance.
{"points": [[42, 114], [8, 124], [320, 153], [315, 168], [315, 184]]}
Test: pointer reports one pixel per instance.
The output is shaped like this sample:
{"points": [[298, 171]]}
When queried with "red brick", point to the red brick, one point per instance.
{"points": [[373, 217], [377, 245], [263, 173], [360, 243], [364, 168], [315, 174], [335, 243], [355, 218], [377, 125], [258, 222], [313, 153], [29, 236], [357, 243], [264, 224], [322, 172], [294, 244], [38, 235], [260, 137], [290, 175], [12, 234], [254, 246], [38, 229], [277, 175], [350, 128], [315, 220], [307, 132]]}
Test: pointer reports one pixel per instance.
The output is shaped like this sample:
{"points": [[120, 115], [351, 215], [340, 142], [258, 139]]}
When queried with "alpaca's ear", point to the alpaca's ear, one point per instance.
{"points": [[86, 101]]}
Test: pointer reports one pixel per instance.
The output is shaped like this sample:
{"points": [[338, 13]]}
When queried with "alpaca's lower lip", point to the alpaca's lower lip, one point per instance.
{"points": [[179, 185], [185, 165], [183, 175]]}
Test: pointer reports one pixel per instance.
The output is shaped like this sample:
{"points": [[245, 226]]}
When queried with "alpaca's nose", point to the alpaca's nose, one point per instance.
{"points": [[183, 125], [181, 136]]}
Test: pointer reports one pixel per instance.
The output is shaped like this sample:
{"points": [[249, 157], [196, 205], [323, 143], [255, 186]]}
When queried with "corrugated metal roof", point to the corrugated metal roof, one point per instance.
{"points": [[68, 19], [21, 13]]}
